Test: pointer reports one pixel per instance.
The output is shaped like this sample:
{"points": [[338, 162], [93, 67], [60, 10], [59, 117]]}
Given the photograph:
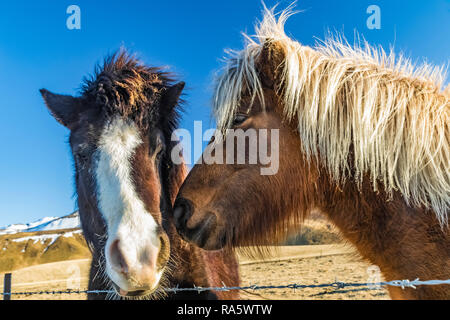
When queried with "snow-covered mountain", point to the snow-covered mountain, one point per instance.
{"points": [[49, 239], [45, 224]]}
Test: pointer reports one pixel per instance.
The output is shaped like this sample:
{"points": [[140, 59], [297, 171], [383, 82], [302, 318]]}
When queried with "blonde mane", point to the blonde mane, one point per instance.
{"points": [[393, 115]]}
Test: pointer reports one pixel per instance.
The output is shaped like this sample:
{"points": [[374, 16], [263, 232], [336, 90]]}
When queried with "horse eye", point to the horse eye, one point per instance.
{"points": [[239, 119]]}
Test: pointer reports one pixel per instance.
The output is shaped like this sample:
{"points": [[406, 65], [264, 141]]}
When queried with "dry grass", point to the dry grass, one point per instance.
{"points": [[303, 264], [312, 270], [63, 275], [291, 264], [21, 254]]}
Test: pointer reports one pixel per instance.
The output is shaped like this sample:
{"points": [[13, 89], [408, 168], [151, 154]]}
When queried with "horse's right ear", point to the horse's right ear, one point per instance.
{"points": [[62, 107]]}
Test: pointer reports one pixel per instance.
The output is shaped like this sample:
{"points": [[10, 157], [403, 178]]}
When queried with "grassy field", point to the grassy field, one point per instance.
{"points": [[288, 264]]}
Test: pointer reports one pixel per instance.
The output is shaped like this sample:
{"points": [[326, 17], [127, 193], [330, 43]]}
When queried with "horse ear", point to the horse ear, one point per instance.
{"points": [[172, 94], [62, 107], [269, 63]]}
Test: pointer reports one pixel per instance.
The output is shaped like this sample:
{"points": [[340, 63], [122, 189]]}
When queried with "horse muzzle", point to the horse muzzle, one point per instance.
{"points": [[199, 228], [135, 271]]}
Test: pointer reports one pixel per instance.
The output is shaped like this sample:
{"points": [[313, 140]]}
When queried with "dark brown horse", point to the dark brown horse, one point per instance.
{"points": [[120, 136], [361, 138]]}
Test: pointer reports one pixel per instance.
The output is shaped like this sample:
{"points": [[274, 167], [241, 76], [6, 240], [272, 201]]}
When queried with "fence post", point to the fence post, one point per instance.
{"points": [[7, 287]]}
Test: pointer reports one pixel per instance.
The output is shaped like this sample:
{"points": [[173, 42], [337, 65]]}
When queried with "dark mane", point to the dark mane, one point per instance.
{"points": [[125, 86]]}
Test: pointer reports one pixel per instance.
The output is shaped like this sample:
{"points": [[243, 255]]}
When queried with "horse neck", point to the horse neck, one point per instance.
{"points": [[405, 242], [195, 266], [183, 254]]}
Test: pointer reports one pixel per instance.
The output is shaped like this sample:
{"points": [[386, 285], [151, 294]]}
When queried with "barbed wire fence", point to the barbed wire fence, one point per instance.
{"points": [[337, 286]]}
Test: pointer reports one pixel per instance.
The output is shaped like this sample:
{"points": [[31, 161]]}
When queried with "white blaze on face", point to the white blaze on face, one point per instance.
{"points": [[124, 212]]}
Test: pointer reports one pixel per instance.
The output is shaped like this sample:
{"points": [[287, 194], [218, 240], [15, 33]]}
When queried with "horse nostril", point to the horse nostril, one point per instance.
{"points": [[164, 251], [182, 212], [118, 261], [201, 233], [162, 243]]}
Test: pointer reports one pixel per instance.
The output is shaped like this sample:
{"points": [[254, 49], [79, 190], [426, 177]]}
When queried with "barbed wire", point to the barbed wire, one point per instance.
{"points": [[294, 286]]}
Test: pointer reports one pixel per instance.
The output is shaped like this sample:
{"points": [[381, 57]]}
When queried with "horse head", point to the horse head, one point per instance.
{"points": [[120, 138]]}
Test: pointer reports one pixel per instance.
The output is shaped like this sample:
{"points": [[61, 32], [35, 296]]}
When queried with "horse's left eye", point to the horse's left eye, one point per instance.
{"points": [[239, 119]]}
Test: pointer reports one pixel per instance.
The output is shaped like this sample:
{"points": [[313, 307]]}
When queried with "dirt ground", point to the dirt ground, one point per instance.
{"points": [[289, 264]]}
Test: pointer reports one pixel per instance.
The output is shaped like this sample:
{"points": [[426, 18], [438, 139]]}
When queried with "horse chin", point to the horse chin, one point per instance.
{"points": [[136, 294], [125, 290]]}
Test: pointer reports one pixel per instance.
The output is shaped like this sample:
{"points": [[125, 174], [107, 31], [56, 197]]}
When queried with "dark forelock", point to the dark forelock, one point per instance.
{"points": [[126, 87]]}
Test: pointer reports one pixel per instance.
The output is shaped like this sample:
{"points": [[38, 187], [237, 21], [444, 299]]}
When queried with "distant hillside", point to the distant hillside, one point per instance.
{"points": [[46, 240]]}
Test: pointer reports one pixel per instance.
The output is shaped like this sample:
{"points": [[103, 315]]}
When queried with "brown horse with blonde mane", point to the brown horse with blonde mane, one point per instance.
{"points": [[120, 136], [363, 138]]}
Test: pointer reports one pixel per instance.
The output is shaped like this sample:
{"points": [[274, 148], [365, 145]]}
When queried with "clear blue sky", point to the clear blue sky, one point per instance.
{"points": [[37, 50]]}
